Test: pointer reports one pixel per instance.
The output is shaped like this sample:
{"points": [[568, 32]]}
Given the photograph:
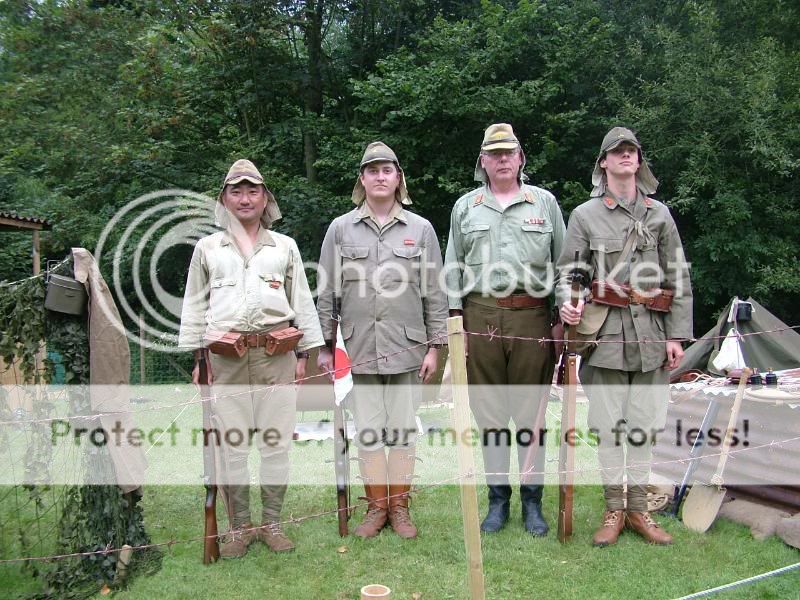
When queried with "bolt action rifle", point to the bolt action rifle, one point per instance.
{"points": [[341, 458], [568, 374], [211, 541]]}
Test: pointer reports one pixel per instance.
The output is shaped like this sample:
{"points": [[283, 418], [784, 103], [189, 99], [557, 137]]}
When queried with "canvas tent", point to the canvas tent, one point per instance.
{"points": [[776, 351]]}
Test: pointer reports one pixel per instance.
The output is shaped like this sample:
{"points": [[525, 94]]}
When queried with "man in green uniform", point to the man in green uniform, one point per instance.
{"points": [[384, 263], [249, 280], [504, 239], [629, 247]]}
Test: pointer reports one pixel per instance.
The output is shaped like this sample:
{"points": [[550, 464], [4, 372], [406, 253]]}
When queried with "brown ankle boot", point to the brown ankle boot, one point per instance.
{"points": [[373, 471], [401, 470], [234, 544], [643, 524], [613, 524], [272, 535]]}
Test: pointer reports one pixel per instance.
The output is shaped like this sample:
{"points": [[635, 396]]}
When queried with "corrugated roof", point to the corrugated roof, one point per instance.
{"points": [[11, 219]]}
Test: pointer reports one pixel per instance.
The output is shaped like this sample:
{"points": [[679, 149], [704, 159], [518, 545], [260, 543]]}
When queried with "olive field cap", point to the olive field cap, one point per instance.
{"points": [[380, 152], [499, 136], [244, 170], [645, 180]]}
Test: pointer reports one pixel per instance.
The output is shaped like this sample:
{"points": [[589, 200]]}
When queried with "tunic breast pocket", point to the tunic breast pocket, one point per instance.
{"points": [[224, 299], [273, 294], [605, 253], [406, 264], [476, 243], [354, 263], [536, 239]]}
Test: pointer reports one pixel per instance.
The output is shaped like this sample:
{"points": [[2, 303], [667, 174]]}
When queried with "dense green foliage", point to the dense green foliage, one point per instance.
{"points": [[102, 101]]}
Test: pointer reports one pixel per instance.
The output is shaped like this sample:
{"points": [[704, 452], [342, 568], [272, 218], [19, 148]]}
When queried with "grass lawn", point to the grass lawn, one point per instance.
{"points": [[515, 563]]}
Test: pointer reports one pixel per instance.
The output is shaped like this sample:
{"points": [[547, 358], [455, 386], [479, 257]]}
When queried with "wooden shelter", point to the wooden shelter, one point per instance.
{"points": [[12, 222]]}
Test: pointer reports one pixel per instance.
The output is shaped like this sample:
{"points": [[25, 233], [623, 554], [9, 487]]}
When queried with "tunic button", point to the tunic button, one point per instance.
{"points": [[635, 316]]}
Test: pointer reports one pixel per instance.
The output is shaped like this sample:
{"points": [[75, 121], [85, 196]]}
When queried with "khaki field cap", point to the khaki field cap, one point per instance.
{"points": [[499, 136], [645, 180], [244, 170], [380, 152]]}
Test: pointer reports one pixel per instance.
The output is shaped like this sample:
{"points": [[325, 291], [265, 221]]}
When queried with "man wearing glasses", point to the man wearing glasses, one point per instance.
{"points": [[504, 238]]}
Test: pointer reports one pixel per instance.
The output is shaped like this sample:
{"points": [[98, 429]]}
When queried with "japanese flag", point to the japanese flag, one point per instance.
{"points": [[343, 378]]}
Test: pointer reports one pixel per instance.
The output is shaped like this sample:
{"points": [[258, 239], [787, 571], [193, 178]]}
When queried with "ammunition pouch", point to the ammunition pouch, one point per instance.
{"points": [[283, 341], [227, 343]]}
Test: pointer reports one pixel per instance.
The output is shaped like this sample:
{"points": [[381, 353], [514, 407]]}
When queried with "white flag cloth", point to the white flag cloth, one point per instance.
{"points": [[343, 378]]}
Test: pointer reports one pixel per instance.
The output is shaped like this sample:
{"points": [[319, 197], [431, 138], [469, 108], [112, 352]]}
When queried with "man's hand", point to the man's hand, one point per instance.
{"points": [[300, 370], [674, 355], [196, 374], [571, 315], [429, 364], [325, 362]]}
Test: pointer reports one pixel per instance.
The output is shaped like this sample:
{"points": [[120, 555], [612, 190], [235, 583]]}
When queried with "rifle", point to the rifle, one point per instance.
{"points": [[568, 372], [211, 541], [341, 453]]}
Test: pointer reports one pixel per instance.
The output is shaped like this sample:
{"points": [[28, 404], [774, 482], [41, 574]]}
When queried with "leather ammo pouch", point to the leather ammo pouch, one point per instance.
{"points": [[663, 301], [283, 341], [610, 293], [225, 343]]}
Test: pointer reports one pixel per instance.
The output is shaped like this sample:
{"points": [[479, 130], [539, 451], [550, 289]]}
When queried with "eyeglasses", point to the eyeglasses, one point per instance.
{"points": [[498, 154]]}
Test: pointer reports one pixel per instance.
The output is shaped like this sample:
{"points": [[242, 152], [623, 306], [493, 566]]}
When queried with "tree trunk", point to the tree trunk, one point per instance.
{"points": [[313, 100]]}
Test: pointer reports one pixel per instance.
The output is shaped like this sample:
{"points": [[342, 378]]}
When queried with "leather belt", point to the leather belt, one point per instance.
{"points": [[614, 294], [258, 339], [512, 301]]}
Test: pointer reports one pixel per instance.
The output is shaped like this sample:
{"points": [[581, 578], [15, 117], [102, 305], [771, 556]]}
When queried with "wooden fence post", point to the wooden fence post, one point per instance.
{"points": [[462, 425]]}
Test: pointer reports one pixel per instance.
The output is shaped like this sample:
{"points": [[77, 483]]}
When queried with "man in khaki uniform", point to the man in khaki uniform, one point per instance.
{"points": [[625, 237], [504, 239], [383, 262], [249, 279]]}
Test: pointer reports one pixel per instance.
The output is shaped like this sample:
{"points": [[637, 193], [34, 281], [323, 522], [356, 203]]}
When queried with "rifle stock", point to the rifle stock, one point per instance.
{"points": [[211, 540], [568, 375], [341, 459]]}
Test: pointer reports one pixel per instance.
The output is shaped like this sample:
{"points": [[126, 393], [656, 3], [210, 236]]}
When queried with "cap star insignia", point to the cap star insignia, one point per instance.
{"points": [[498, 135]]}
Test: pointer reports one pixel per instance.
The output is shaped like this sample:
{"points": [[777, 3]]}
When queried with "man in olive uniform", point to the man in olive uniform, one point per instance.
{"points": [[250, 280], [628, 244], [383, 262], [504, 239]]}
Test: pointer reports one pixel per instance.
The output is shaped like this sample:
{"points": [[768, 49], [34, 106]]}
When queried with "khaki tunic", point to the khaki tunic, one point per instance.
{"points": [[598, 230], [226, 291], [388, 281], [496, 251]]}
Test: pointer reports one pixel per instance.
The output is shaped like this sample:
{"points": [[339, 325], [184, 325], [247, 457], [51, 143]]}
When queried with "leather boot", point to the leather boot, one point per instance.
{"points": [[532, 519], [401, 471], [643, 524], [372, 465], [499, 508], [613, 524], [234, 544]]}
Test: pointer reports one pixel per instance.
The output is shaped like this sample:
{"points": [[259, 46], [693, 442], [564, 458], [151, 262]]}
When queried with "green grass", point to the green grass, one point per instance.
{"points": [[515, 563]]}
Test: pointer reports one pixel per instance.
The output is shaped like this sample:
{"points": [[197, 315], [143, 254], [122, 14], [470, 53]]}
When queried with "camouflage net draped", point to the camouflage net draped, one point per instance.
{"points": [[44, 519]]}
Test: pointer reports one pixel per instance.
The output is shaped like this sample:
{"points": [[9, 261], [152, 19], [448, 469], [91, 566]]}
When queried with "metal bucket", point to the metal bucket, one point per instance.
{"points": [[65, 295]]}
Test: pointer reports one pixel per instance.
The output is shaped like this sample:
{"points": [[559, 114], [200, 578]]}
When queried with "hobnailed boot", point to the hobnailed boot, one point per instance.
{"points": [[401, 471], [270, 532], [532, 519], [234, 544], [372, 465], [499, 508], [272, 535], [613, 524], [643, 524]]}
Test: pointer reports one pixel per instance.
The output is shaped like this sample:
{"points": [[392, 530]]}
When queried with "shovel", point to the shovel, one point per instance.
{"points": [[704, 499]]}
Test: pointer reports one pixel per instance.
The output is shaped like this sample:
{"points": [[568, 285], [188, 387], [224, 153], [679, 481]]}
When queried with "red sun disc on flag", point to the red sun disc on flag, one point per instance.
{"points": [[342, 364]]}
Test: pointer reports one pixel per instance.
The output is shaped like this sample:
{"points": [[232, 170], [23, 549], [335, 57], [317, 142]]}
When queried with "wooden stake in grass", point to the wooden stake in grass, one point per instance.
{"points": [[466, 463]]}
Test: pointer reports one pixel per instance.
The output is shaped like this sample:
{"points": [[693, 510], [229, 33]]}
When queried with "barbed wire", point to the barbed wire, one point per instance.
{"points": [[37, 276]]}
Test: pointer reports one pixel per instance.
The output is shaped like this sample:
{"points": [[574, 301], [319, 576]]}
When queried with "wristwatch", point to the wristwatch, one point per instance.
{"points": [[301, 354]]}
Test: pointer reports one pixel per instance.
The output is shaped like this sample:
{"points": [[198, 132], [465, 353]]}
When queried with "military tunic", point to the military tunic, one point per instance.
{"points": [[492, 252], [626, 382], [392, 305]]}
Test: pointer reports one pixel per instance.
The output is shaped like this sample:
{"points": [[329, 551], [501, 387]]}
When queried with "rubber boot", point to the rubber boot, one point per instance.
{"points": [[401, 471], [499, 507], [372, 465], [532, 519]]}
